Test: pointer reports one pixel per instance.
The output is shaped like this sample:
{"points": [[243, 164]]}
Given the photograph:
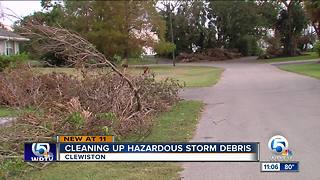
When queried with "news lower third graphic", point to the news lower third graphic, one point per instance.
{"points": [[282, 156], [158, 152], [103, 148]]}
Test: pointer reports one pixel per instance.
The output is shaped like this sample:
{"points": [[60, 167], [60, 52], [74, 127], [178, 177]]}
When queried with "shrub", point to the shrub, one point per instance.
{"points": [[52, 60], [4, 63], [76, 119], [116, 59], [7, 61], [164, 48], [248, 46], [317, 47]]}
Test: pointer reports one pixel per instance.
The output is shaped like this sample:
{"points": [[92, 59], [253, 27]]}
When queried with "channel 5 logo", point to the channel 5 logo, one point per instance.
{"points": [[41, 149], [40, 152], [278, 144]]}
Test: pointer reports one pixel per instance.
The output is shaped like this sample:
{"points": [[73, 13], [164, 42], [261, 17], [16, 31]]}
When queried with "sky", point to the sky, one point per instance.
{"points": [[20, 8]]}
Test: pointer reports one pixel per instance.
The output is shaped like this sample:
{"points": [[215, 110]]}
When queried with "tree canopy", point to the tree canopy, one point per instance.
{"points": [[115, 27], [123, 28], [290, 24], [312, 8], [229, 24]]}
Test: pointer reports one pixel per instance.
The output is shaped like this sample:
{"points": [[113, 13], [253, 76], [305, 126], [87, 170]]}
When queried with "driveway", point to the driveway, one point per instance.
{"points": [[252, 102]]}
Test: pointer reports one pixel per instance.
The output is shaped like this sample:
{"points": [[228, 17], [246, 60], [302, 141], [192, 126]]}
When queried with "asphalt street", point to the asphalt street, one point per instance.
{"points": [[252, 102]]}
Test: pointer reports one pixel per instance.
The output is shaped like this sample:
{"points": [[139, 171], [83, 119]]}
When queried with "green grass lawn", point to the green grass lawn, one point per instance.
{"points": [[177, 125], [71, 71], [192, 76], [142, 61], [7, 112], [310, 69], [11, 112], [308, 56]]}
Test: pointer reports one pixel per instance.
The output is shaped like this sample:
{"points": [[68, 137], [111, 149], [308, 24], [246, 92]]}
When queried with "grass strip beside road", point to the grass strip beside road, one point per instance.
{"points": [[177, 125], [307, 56], [310, 69]]}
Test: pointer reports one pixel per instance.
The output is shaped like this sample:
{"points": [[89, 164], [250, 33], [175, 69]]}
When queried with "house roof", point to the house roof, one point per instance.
{"points": [[9, 35]]}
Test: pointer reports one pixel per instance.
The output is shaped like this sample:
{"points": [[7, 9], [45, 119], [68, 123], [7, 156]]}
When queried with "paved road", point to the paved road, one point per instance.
{"points": [[252, 102], [6, 120]]}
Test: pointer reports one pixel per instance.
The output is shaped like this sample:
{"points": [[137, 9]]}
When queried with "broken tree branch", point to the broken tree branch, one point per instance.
{"points": [[72, 47]]}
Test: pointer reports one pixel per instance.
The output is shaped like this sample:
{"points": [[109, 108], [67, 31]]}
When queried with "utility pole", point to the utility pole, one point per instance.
{"points": [[170, 19]]}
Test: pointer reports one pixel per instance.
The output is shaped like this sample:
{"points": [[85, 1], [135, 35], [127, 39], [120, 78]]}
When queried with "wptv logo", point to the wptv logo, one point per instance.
{"points": [[40, 152], [279, 146]]}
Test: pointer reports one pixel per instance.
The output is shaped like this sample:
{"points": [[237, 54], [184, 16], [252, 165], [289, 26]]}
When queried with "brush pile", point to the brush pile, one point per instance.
{"points": [[213, 54], [101, 101]]}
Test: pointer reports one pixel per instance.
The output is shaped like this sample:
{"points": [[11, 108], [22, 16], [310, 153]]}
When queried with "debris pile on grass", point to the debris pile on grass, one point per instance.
{"points": [[212, 54], [95, 104], [67, 104], [101, 101]]}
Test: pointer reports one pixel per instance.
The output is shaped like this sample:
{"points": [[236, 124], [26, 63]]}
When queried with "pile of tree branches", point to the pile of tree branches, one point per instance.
{"points": [[101, 101], [71, 47], [68, 104], [211, 54]]}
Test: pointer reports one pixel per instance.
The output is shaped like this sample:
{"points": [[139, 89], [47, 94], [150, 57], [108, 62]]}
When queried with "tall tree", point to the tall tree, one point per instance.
{"points": [[241, 22], [312, 8], [290, 24], [190, 25], [115, 27]]}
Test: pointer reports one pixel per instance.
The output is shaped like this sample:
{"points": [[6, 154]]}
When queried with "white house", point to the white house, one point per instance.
{"points": [[9, 42]]}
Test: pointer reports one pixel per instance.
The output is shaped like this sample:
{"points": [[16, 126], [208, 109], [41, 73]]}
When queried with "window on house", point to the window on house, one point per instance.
{"points": [[9, 48]]}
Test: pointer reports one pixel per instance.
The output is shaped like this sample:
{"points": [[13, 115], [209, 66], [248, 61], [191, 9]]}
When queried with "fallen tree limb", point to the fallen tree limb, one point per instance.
{"points": [[71, 47]]}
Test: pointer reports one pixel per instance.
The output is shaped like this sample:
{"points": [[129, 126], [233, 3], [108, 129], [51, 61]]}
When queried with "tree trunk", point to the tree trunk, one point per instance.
{"points": [[127, 31], [317, 28], [291, 46]]}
